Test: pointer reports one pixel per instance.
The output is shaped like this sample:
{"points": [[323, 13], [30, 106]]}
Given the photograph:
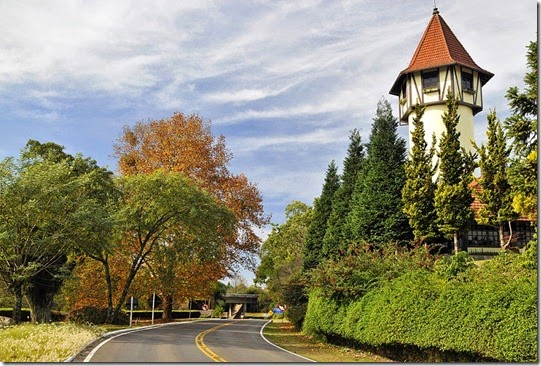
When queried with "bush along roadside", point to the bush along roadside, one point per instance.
{"points": [[453, 311]]}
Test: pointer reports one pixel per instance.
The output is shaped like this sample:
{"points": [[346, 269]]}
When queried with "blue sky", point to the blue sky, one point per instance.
{"points": [[283, 81]]}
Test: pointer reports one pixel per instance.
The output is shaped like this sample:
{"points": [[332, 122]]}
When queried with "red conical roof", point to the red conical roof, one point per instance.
{"points": [[439, 47]]}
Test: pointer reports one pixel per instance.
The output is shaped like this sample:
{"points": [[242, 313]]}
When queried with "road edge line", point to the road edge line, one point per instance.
{"points": [[119, 333], [283, 349]]}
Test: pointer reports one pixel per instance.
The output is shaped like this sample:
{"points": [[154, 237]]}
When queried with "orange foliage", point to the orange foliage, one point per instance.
{"points": [[180, 144], [186, 144]]}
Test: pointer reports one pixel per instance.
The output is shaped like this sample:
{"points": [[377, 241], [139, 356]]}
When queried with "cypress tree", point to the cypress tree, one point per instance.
{"points": [[335, 239], [377, 213], [453, 196], [312, 253], [495, 191], [418, 191]]}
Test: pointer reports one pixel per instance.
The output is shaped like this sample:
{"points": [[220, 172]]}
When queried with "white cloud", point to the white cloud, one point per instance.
{"points": [[272, 75]]}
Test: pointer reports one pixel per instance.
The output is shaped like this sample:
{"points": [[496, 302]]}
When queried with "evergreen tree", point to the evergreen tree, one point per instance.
{"points": [[521, 126], [312, 254], [495, 193], [453, 196], [418, 191], [376, 214], [335, 238]]}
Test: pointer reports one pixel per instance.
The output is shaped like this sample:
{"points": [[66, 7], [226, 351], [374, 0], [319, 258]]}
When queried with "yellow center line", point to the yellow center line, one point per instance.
{"points": [[203, 347]]}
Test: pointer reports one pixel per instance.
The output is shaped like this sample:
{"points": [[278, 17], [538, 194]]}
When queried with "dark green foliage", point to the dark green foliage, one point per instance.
{"points": [[376, 214], [94, 315], [486, 313], [419, 188], [366, 268], [336, 236], [296, 298], [495, 193], [521, 126], [312, 252], [453, 196]]}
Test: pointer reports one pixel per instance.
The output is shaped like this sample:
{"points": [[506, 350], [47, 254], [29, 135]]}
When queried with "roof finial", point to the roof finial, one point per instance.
{"points": [[435, 11]]}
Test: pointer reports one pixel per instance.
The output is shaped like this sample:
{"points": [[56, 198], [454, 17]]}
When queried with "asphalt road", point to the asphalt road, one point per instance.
{"points": [[206, 341]]}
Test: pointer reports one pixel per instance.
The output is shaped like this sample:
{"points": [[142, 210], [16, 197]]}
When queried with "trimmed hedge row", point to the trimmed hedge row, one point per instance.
{"points": [[56, 316], [473, 317]]}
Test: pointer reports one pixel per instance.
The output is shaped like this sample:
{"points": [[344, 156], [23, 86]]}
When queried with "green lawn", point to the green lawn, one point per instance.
{"points": [[282, 333]]}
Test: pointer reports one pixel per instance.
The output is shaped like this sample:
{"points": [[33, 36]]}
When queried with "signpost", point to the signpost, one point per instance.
{"points": [[154, 301], [131, 309]]}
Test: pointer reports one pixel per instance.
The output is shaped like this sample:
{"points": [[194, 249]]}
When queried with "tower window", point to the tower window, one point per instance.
{"points": [[431, 79], [467, 80]]}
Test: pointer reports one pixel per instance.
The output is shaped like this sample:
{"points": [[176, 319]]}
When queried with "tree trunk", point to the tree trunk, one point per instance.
{"points": [[455, 242], [41, 303], [17, 308], [108, 280], [501, 237], [167, 314]]}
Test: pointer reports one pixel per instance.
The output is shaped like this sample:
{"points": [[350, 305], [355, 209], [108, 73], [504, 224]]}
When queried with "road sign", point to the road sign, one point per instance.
{"points": [[157, 301], [135, 303]]}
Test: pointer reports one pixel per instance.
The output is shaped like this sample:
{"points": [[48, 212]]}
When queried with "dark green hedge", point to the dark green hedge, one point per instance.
{"points": [[56, 316], [483, 314]]}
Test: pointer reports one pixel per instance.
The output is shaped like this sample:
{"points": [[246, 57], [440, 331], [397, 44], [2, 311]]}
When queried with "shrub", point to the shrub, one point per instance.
{"points": [[457, 313], [95, 315]]}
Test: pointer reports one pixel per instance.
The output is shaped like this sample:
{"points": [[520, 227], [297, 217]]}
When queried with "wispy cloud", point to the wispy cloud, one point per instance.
{"points": [[283, 81]]}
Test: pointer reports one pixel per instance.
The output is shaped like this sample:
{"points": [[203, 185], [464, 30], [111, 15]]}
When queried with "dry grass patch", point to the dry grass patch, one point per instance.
{"points": [[283, 334], [44, 342]]}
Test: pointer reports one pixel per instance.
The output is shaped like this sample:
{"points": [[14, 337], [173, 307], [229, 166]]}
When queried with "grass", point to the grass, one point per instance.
{"points": [[282, 333], [53, 342]]}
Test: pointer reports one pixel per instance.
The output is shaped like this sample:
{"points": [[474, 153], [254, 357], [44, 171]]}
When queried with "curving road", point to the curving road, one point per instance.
{"points": [[213, 340]]}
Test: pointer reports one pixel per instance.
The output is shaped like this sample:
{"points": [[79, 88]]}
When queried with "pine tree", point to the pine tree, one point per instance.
{"points": [[453, 196], [495, 193], [335, 239], [418, 191], [312, 254], [376, 214], [522, 126]]}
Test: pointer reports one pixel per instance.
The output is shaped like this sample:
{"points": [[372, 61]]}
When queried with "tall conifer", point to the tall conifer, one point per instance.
{"points": [[376, 215], [312, 254], [495, 193], [418, 191], [453, 196], [335, 237]]}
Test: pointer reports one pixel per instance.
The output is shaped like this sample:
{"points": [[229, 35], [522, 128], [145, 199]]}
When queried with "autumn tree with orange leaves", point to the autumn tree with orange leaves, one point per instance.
{"points": [[183, 144]]}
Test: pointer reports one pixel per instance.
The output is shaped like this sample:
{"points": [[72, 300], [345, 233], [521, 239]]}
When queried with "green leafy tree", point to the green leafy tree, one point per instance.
{"points": [[336, 237], [165, 210], [281, 253], [419, 188], [312, 253], [282, 262], [376, 214], [495, 193], [453, 196], [51, 208]]}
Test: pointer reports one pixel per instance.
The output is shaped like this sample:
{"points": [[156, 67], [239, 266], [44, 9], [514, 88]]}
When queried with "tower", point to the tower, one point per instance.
{"points": [[440, 63]]}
